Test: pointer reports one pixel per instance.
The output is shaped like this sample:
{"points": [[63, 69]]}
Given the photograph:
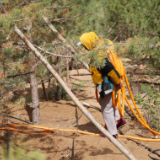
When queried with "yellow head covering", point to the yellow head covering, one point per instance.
{"points": [[89, 40]]}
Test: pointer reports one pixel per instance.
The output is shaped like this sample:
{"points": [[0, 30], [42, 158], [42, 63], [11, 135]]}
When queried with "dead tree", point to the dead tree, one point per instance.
{"points": [[33, 108], [35, 99]]}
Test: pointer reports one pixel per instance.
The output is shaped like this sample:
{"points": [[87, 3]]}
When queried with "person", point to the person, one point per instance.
{"points": [[104, 78]]}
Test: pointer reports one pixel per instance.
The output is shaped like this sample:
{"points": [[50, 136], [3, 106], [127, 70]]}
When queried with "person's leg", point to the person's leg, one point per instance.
{"points": [[120, 121], [116, 114], [108, 113]]}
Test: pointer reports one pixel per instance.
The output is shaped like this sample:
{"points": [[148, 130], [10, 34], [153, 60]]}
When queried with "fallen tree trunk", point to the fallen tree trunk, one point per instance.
{"points": [[73, 97]]}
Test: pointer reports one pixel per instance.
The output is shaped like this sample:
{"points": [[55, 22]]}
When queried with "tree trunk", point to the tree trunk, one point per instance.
{"points": [[74, 98], [44, 90], [58, 92], [58, 87], [35, 99], [67, 69]]}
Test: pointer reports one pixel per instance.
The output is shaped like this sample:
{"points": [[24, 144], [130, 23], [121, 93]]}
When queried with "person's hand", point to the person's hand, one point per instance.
{"points": [[120, 85]]}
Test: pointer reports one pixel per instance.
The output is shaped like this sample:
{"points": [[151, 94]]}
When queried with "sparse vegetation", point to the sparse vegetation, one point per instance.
{"points": [[18, 153], [79, 85], [150, 104]]}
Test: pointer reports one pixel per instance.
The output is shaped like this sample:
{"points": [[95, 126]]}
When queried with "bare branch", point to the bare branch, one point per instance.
{"points": [[16, 75], [57, 55]]}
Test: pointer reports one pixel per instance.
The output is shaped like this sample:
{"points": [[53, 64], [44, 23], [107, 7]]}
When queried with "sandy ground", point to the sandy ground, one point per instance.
{"points": [[62, 115]]}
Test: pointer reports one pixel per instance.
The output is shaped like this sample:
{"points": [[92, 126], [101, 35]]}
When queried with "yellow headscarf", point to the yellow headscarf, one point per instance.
{"points": [[89, 40]]}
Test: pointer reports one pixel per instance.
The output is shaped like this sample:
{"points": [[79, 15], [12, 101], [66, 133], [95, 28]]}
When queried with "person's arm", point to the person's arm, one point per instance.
{"points": [[111, 72]]}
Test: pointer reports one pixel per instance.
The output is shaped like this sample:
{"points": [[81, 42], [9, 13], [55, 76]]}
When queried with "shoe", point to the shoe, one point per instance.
{"points": [[105, 126], [115, 136], [121, 123]]}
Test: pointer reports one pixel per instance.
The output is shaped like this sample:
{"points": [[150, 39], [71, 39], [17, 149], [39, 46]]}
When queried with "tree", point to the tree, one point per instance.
{"points": [[133, 18], [16, 57]]}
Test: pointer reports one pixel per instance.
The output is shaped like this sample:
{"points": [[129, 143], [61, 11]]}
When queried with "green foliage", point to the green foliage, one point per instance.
{"points": [[141, 48], [41, 71], [95, 61], [91, 58], [19, 100], [4, 22], [52, 94], [80, 85], [150, 105], [135, 17], [28, 99], [64, 95], [18, 153], [8, 52]]}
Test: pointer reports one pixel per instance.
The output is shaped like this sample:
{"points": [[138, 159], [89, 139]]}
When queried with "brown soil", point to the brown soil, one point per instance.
{"points": [[61, 114]]}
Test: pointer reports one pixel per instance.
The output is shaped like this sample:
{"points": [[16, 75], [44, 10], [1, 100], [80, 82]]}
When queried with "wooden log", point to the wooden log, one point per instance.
{"points": [[73, 97]]}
